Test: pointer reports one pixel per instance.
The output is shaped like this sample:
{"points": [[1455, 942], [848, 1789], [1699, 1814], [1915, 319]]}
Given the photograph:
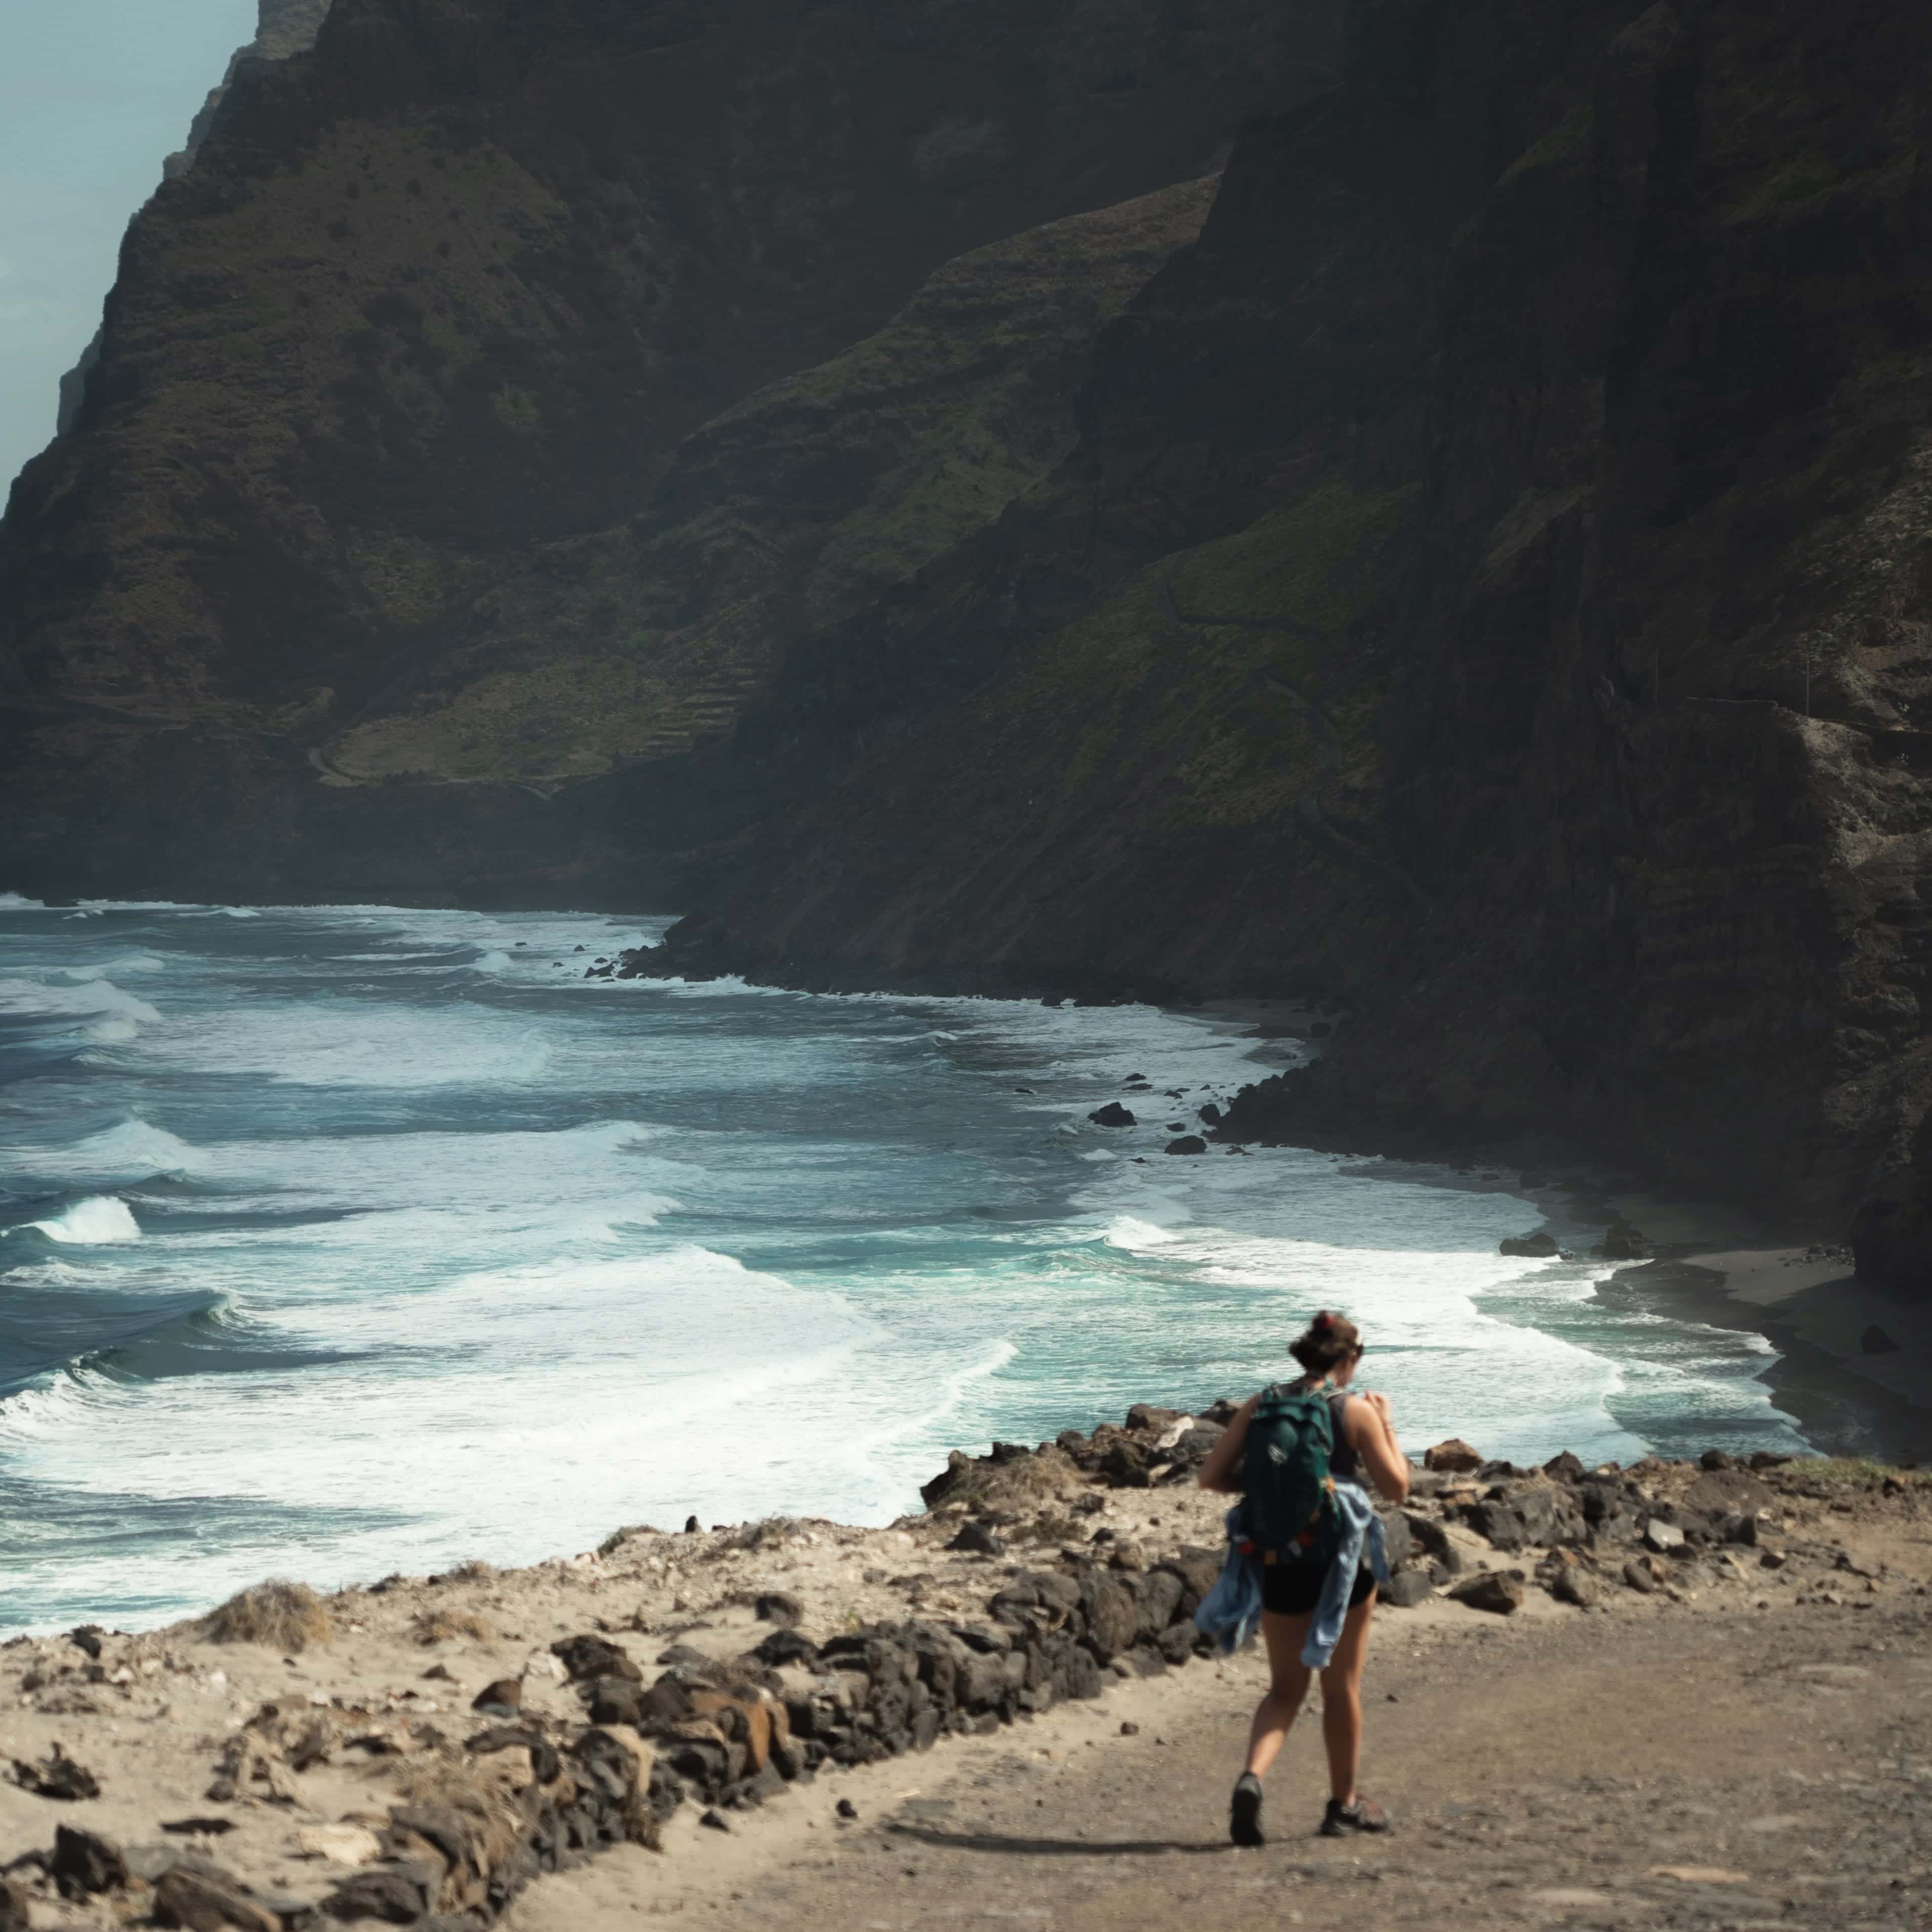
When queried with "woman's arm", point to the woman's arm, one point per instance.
{"points": [[1219, 1472], [1371, 1435]]}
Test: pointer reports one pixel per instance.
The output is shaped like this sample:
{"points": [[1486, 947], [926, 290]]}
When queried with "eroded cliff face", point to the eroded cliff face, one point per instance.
{"points": [[436, 305], [1494, 591]]}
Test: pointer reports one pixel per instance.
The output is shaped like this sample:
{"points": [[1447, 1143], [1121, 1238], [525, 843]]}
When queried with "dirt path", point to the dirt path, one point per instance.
{"points": [[1583, 1770]]}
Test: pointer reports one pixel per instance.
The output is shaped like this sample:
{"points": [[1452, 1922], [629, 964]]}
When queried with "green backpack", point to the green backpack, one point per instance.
{"points": [[1291, 1496]]}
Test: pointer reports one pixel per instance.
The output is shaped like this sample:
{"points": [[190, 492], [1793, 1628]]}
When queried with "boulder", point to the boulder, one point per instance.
{"points": [[783, 1646], [1623, 1242], [779, 1606], [1514, 1516], [1724, 1493], [1186, 1144], [1663, 1538], [1159, 1593], [1874, 1342], [1406, 1588], [58, 1776], [1435, 1540], [505, 1696], [205, 1899], [85, 1862], [1575, 1584], [1497, 1590], [1646, 1574], [1113, 1115], [12, 1907], [1566, 1468], [976, 1539], [1398, 1539], [1112, 1616], [1538, 1246], [1454, 1456], [590, 1657]]}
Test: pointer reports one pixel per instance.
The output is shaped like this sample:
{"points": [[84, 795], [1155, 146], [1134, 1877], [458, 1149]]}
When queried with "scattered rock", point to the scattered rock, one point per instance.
{"points": [[1645, 1574], [85, 1862], [1664, 1538], [692, 1527], [779, 1606], [713, 1821], [504, 1698], [211, 1828], [1874, 1341], [205, 1899], [12, 1907], [1500, 1591], [1537, 1246], [1623, 1242], [1701, 1874], [56, 1775], [1129, 1729], [976, 1539], [1455, 1457], [591, 1656], [1716, 1458], [1406, 1588], [1113, 1115], [846, 1809]]}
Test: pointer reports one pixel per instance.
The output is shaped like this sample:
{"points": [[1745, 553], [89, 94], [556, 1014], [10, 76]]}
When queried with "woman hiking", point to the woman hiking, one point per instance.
{"points": [[1305, 1532]]}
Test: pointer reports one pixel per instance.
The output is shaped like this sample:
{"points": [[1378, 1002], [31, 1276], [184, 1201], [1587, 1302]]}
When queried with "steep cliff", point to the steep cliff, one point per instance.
{"points": [[1493, 591], [436, 305]]}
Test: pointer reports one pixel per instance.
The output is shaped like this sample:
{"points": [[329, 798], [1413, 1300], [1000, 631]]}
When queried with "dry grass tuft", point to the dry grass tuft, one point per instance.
{"points": [[443, 1626], [278, 1615]]}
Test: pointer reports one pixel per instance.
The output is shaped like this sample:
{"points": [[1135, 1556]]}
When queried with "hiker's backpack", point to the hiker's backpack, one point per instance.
{"points": [[1291, 1496]]}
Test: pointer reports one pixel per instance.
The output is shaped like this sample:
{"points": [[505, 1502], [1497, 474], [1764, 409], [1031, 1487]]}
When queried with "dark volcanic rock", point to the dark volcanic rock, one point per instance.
{"points": [[1500, 1591], [540, 246], [1187, 1143], [56, 1775], [976, 1539], [1539, 738], [85, 1862], [1538, 1246], [1113, 1115], [588, 1657]]}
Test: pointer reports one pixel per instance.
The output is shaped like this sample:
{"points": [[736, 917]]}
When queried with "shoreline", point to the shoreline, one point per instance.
{"points": [[1846, 1401]]}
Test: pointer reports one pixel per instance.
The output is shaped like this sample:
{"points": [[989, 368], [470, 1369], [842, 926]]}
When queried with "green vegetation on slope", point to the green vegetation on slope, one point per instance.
{"points": [[1234, 717]]}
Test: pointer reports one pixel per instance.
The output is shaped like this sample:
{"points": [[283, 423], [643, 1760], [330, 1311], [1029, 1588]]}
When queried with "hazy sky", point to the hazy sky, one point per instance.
{"points": [[93, 94]]}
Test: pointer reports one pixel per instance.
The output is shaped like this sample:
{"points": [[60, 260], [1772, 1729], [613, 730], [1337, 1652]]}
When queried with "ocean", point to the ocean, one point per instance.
{"points": [[337, 1241]]}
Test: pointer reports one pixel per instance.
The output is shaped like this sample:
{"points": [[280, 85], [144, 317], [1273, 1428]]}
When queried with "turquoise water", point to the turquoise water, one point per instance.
{"points": [[334, 1241]]}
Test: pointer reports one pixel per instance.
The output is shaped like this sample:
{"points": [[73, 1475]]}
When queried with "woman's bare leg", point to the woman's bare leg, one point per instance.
{"points": [[1287, 1685], [1341, 1701]]}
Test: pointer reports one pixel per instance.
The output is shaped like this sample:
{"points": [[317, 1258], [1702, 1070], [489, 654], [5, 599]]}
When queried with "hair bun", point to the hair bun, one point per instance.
{"points": [[1323, 1319]]}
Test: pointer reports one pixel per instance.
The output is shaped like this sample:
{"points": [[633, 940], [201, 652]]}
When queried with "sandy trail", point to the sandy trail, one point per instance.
{"points": [[1550, 1769]]}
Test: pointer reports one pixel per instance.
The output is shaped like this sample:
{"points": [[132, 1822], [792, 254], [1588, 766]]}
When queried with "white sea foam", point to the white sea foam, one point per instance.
{"points": [[99, 1008], [13, 902], [95, 1222], [501, 1259], [131, 1149]]}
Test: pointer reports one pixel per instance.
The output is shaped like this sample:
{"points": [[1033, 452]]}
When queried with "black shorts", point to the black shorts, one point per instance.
{"points": [[1294, 1589]]}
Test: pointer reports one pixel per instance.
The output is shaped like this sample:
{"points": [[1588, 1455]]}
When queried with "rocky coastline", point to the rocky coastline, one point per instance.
{"points": [[420, 1751]]}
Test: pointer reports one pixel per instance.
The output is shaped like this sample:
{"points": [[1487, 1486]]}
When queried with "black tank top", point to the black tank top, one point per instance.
{"points": [[1343, 1463]]}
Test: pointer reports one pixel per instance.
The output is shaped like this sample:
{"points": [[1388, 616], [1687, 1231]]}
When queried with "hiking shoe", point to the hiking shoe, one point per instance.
{"points": [[1244, 1813], [1340, 1819]]}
